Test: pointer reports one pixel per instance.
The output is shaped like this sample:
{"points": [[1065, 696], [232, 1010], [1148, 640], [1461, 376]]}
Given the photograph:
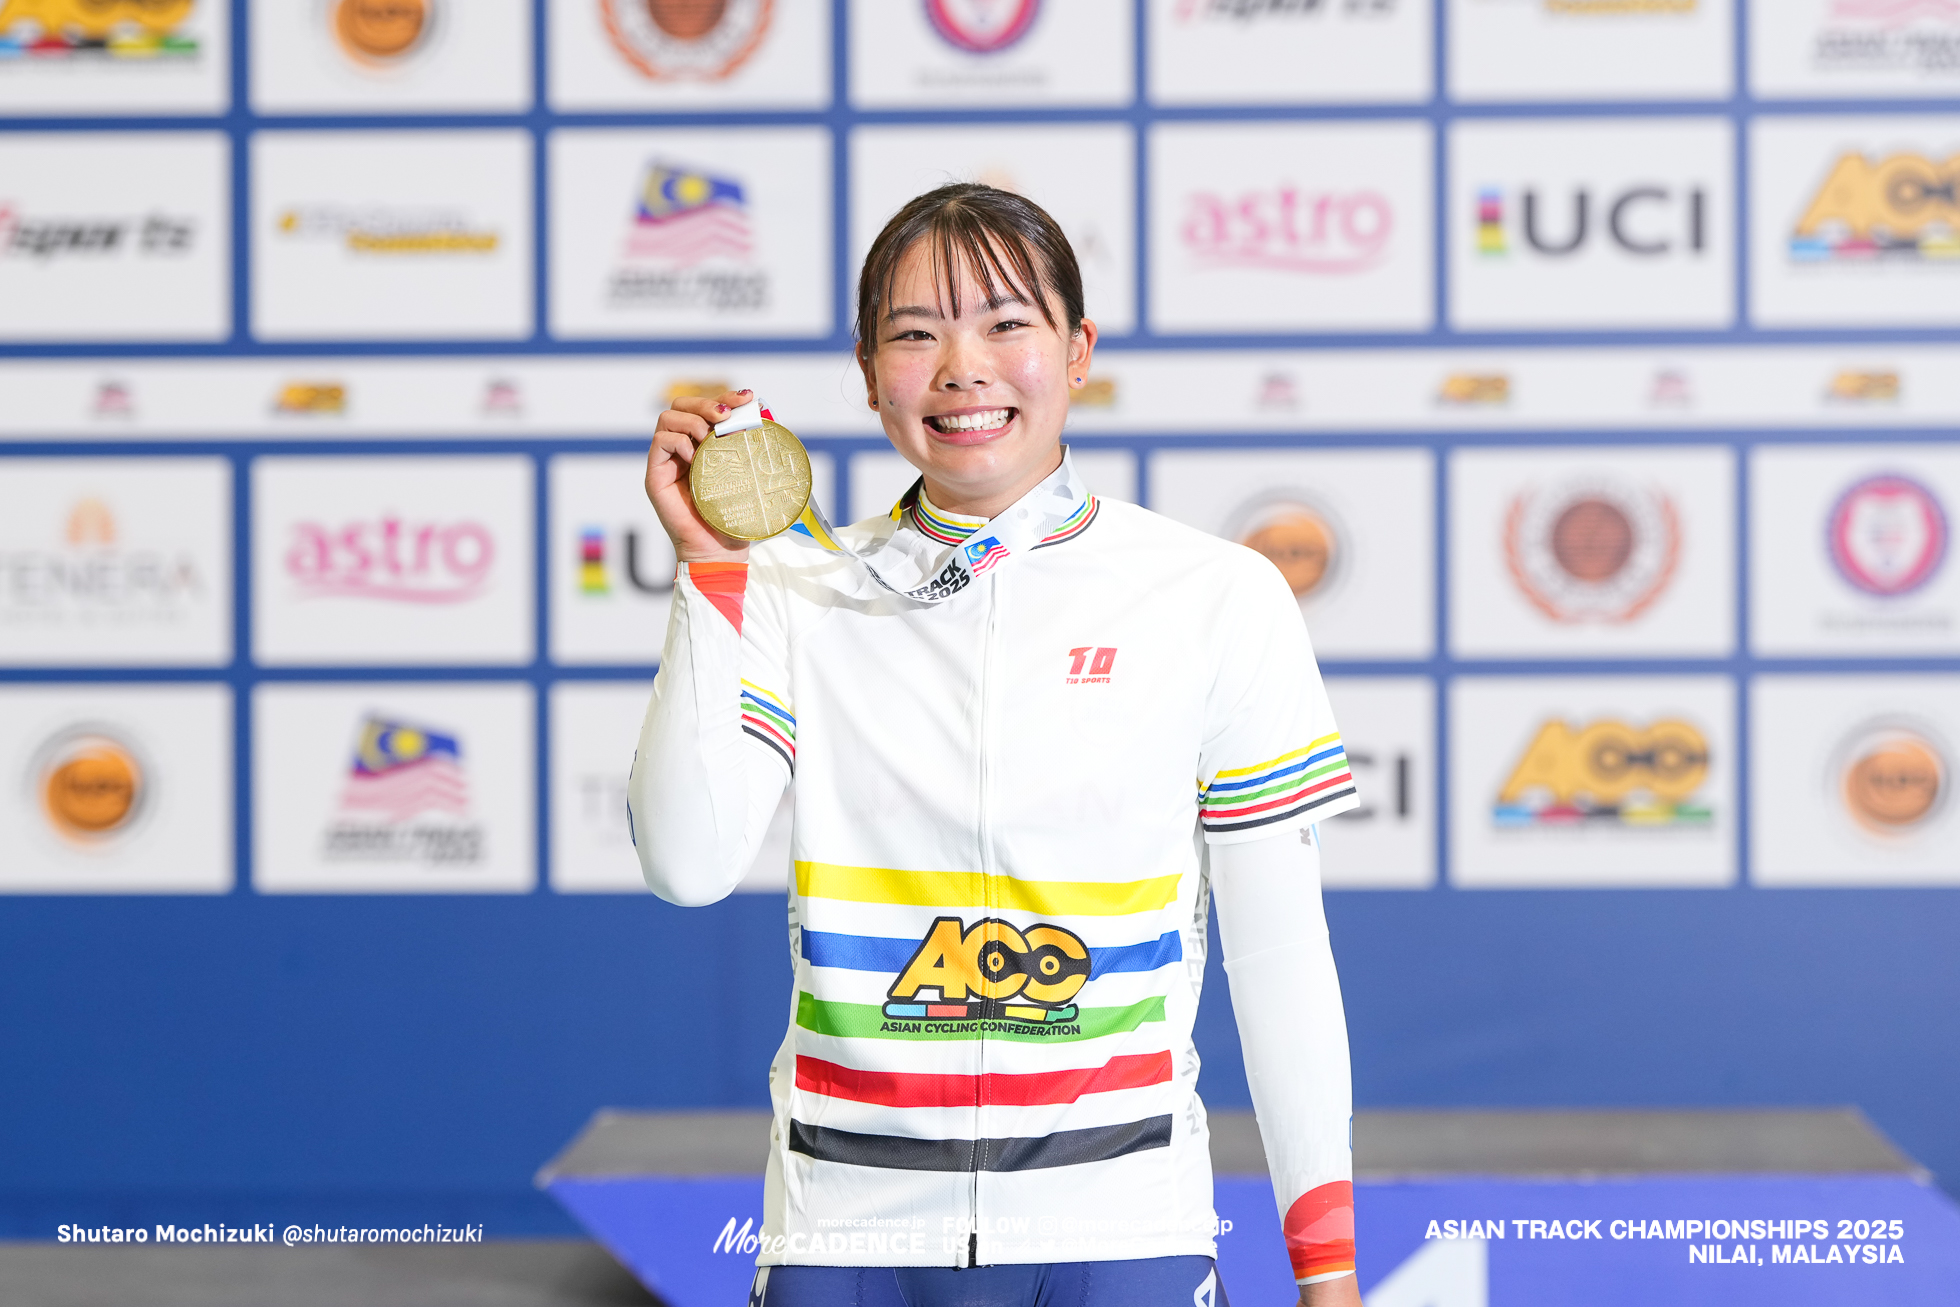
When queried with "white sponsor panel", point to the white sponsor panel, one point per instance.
{"points": [[395, 235], [1609, 552], [612, 565], [378, 787], [1291, 227], [1816, 49], [115, 789], [392, 560], [1578, 782], [116, 236], [1230, 52], [1591, 49], [1083, 175], [107, 561], [879, 478], [1388, 725], [1603, 223], [694, 232], [1851, 780], [1854, 221], [1353, 532], [595, 728], [391, 56], [680, 54], [91, 58], [935, 54], [1851, 550]]}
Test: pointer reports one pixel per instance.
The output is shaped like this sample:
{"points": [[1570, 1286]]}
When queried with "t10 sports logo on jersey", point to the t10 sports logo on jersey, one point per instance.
{"points": [[1608, 772], [1904, 207], [990, 970]]}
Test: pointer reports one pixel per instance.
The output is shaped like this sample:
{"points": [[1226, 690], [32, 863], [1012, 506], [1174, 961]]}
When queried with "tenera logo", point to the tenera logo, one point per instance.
{"points": [[391, 559], [92, 577], [1607, 772], [982, 26], [1902, 207], [1090, 666], [1887, 535], [1288, 229], [1645, 220], [686, 40]]}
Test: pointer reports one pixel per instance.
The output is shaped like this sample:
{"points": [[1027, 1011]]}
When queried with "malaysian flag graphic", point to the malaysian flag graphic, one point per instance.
{"points": [[688, 216], [400, 771], [983, 554]]}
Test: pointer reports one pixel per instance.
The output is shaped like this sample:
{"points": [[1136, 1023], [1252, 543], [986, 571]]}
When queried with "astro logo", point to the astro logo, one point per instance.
{"points": [[1608, 773], [1903, 207], [1286, 229], [981, 555], [991, 970], [392, 559], [1887, 535]]}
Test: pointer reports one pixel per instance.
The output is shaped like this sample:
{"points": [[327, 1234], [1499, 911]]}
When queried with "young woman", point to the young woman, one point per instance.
{"points": [[1030, 733]]}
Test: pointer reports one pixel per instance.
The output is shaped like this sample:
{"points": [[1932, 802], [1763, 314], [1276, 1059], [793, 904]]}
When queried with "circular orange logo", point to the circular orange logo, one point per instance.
{"points": [[381, 31], [91, 785], [1592, 540], [1894, 781], [1301, 545], [686, 20]]}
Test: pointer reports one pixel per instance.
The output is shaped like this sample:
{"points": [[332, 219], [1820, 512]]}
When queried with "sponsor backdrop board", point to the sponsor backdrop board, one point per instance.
{"points": [[1589, 368]]}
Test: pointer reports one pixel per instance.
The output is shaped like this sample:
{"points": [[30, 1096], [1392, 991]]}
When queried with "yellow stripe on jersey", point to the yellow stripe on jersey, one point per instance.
{"points": [[1284, 758], [972, 889]]}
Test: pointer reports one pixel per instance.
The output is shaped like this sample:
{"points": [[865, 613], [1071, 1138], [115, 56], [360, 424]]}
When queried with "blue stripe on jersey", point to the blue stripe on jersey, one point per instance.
{"points": [[823, 948]]}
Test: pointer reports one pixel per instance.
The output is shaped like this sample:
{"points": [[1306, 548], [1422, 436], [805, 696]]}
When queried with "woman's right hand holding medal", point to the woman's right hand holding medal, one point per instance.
{"points": [[680, 430]]}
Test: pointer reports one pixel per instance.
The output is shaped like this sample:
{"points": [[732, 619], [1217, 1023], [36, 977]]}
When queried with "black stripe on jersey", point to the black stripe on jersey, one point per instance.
{"points": [[1063, 1148], [782, 753], [1308, 806]]}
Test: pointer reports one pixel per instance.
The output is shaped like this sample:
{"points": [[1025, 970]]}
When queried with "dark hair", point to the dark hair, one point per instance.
{"points": [[1007, 240]]}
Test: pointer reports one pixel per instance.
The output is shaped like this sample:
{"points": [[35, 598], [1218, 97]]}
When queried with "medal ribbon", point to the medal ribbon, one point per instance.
{"points": [[930, 579]]}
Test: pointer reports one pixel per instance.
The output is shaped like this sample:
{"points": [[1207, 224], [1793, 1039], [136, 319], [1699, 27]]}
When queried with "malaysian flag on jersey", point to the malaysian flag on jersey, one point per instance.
{"points": [[401, 771], [983, 554], [687, 216]]}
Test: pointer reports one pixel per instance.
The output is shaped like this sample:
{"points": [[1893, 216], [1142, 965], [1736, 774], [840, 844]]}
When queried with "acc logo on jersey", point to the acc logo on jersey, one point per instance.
{"points": [[91, 784], [991, 970], [1597, 552], [982, 26], [1893, 778], [1902, 207], [1607, 771], [1887, 535], [686, 40]]}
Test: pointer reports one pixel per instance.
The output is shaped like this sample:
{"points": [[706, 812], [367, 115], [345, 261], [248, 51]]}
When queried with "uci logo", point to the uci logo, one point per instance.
{"points": [[1643, 220], [991, 969]]}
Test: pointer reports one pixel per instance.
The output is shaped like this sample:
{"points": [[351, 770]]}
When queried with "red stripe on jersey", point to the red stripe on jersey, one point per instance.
{"points": [[1320, 1230], [723, 585], [911, 1089]]}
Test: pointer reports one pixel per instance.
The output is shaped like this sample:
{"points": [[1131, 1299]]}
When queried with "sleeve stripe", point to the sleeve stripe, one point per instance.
{"points": [[1303, 764], [1315, 747], [789, 758], [1293, 794], [1220, 827]]}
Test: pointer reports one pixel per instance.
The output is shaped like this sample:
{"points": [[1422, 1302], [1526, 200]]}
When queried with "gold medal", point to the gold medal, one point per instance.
{"points": [[751, 479]]}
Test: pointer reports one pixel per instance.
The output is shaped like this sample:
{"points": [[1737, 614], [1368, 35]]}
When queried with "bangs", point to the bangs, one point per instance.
{"points": [[1001, 263]]}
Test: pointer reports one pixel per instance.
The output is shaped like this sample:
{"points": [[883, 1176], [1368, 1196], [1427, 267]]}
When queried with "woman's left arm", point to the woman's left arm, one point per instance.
{"points": [[1273, 935]]}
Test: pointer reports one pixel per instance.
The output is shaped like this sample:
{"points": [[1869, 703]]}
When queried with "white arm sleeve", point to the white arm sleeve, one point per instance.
{"points": [[1273, 936], [713, 759]]}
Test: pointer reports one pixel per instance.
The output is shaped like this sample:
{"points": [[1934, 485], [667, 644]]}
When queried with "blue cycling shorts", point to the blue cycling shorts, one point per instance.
{"points": [[1146, 1282]]}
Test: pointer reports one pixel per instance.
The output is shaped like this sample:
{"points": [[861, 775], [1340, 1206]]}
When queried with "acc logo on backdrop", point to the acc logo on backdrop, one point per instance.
{"points": [[90, 784], [1887, 535], [382, 33], [1903, 207], [406, 799], [1892, 777], [982, 26], [686, 40], [1607, 772], [80, 29], [991, 970], [1304, 540], [1596, 551]]}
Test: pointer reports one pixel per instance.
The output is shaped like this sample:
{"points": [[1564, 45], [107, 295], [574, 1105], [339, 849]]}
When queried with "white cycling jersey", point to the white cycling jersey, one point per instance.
{"points": [[1004, 804]]}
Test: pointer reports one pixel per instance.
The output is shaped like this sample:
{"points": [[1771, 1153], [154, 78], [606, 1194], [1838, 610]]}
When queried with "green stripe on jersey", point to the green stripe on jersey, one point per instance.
{"points": [[868, 1021]]}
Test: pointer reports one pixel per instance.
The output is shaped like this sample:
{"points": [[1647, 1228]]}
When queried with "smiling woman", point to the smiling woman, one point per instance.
{"points": [[996, 705]]}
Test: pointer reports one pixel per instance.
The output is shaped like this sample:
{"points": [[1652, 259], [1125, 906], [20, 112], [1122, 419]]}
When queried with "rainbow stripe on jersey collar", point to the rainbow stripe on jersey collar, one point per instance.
{"points": [[945, 528]]}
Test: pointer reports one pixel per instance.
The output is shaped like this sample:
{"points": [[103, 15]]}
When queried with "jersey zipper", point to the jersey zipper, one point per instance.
{"points": [[987, 661]]}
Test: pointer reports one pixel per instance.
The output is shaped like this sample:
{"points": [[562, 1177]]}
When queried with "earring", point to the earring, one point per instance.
{"points": [[874, 403], [1078, 381]]}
